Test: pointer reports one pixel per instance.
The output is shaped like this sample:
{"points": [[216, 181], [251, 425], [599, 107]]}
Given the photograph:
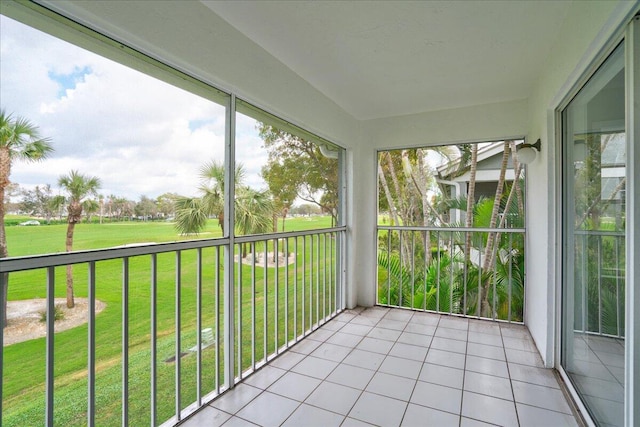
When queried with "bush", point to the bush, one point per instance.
{"points": [[58, 314]]}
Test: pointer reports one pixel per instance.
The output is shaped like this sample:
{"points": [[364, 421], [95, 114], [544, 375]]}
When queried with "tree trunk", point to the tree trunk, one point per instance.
{"points": [[285, 211], [491, 238], [471, 201], [221, 221], [516, 180], [69, 247], [5, 170], [75, 215], [392, 208]]}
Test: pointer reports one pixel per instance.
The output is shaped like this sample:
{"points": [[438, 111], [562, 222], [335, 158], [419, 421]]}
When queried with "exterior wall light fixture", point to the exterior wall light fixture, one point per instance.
{"points": [[328, 152], [526, 153]]}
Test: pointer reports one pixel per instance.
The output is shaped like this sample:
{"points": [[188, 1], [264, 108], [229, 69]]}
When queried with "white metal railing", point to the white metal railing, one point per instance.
{"points": [[600, 282], [449, 277], [205, 305]]}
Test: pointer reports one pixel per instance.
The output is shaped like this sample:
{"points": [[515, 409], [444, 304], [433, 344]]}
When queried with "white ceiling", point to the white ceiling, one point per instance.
{"points": [[388, 58]]}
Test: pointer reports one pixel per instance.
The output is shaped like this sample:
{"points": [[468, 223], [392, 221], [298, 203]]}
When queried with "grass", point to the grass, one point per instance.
{"points": [[24, 363]]}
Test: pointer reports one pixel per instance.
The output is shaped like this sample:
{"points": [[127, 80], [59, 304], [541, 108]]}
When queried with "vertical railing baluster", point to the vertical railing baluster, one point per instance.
{"points": [[239, 309], [617, 274], [50, 376], [276, 320], [311, 270], [303, 287], [217, 316], [318, 280], [154, 330], [295, 289], [199, 327], [91, 353], [413, 267], [389, 275], [510, 260], [253, 305], [466, 276], [494, 312], [125, 341], [178, 281], [523, 277], [334, 272], [584, 276], [599, 257], [437, 276], [265, 318], [286, 292], [452, 267], [324, 277], [341, 291], [479, 306], [494, 269], [401, 284]]}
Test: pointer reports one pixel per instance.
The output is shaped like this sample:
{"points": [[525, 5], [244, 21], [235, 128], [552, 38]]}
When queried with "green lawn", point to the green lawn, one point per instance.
{"points": [[24, 364]]}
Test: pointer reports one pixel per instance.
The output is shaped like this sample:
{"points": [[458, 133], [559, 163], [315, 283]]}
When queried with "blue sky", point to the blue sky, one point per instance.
{"points": [[139, 135]]}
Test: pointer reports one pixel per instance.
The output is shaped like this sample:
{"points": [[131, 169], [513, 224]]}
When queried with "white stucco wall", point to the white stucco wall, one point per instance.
{"points": [[488, 122], [588, 27]]}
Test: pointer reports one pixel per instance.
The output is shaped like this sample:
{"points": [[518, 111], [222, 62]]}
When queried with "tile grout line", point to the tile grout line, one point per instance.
{"points": [[601, 362], [361, 391], [300, 403], [339, 363], [424, 361], [268, 363], [265, 390], [506, 360], [378, 368], [464, 376]]}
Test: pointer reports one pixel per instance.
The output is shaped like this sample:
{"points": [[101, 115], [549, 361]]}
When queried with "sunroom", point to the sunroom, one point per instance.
{"points": [[406, 305]]}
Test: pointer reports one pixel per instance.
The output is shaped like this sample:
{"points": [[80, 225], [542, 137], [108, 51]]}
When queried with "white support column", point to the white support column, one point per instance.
{"points": [[361, 252]]}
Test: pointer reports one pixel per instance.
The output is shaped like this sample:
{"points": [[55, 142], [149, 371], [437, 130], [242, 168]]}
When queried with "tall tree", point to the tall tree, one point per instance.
{"points": [[302, 162], [282, 188], [491, 238], [19, 140], [78, 188], [166, 204], [146, 208], [471, 199]]}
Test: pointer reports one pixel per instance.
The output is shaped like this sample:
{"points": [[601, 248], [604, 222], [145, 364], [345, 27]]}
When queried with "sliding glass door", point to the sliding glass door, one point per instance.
{"points": [[594, 241]]}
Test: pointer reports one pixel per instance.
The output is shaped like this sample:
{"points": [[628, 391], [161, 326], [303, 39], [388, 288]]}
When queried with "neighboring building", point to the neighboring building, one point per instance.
{"points": [[454, 182]]}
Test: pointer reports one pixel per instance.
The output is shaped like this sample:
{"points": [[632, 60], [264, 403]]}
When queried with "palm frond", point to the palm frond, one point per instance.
{"points": [[191, 218]]}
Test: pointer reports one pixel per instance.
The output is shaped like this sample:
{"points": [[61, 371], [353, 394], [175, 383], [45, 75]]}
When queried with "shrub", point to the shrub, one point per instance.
{"points": [[58, 314]]}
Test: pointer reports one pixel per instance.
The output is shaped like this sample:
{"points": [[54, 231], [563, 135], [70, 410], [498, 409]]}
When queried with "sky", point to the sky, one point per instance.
{"points": [[139, 135]]}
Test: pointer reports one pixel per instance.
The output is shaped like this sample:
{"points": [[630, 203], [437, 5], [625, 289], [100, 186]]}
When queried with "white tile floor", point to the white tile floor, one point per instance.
{"points": [[597, 370], [395, 367]]}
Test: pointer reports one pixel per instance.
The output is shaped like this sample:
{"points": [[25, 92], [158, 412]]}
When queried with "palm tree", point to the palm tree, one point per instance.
{"points": [[78, 186], [253, 209], [19, 140], [471, 199], [90, 206], [491, 238]]}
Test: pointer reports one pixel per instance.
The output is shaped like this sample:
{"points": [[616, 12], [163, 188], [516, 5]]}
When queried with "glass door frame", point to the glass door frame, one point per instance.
{"points": [[629, 31]]}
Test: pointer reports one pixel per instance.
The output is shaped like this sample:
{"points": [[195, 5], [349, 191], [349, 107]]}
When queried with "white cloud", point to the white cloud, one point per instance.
{"points": [[137, 134]]}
